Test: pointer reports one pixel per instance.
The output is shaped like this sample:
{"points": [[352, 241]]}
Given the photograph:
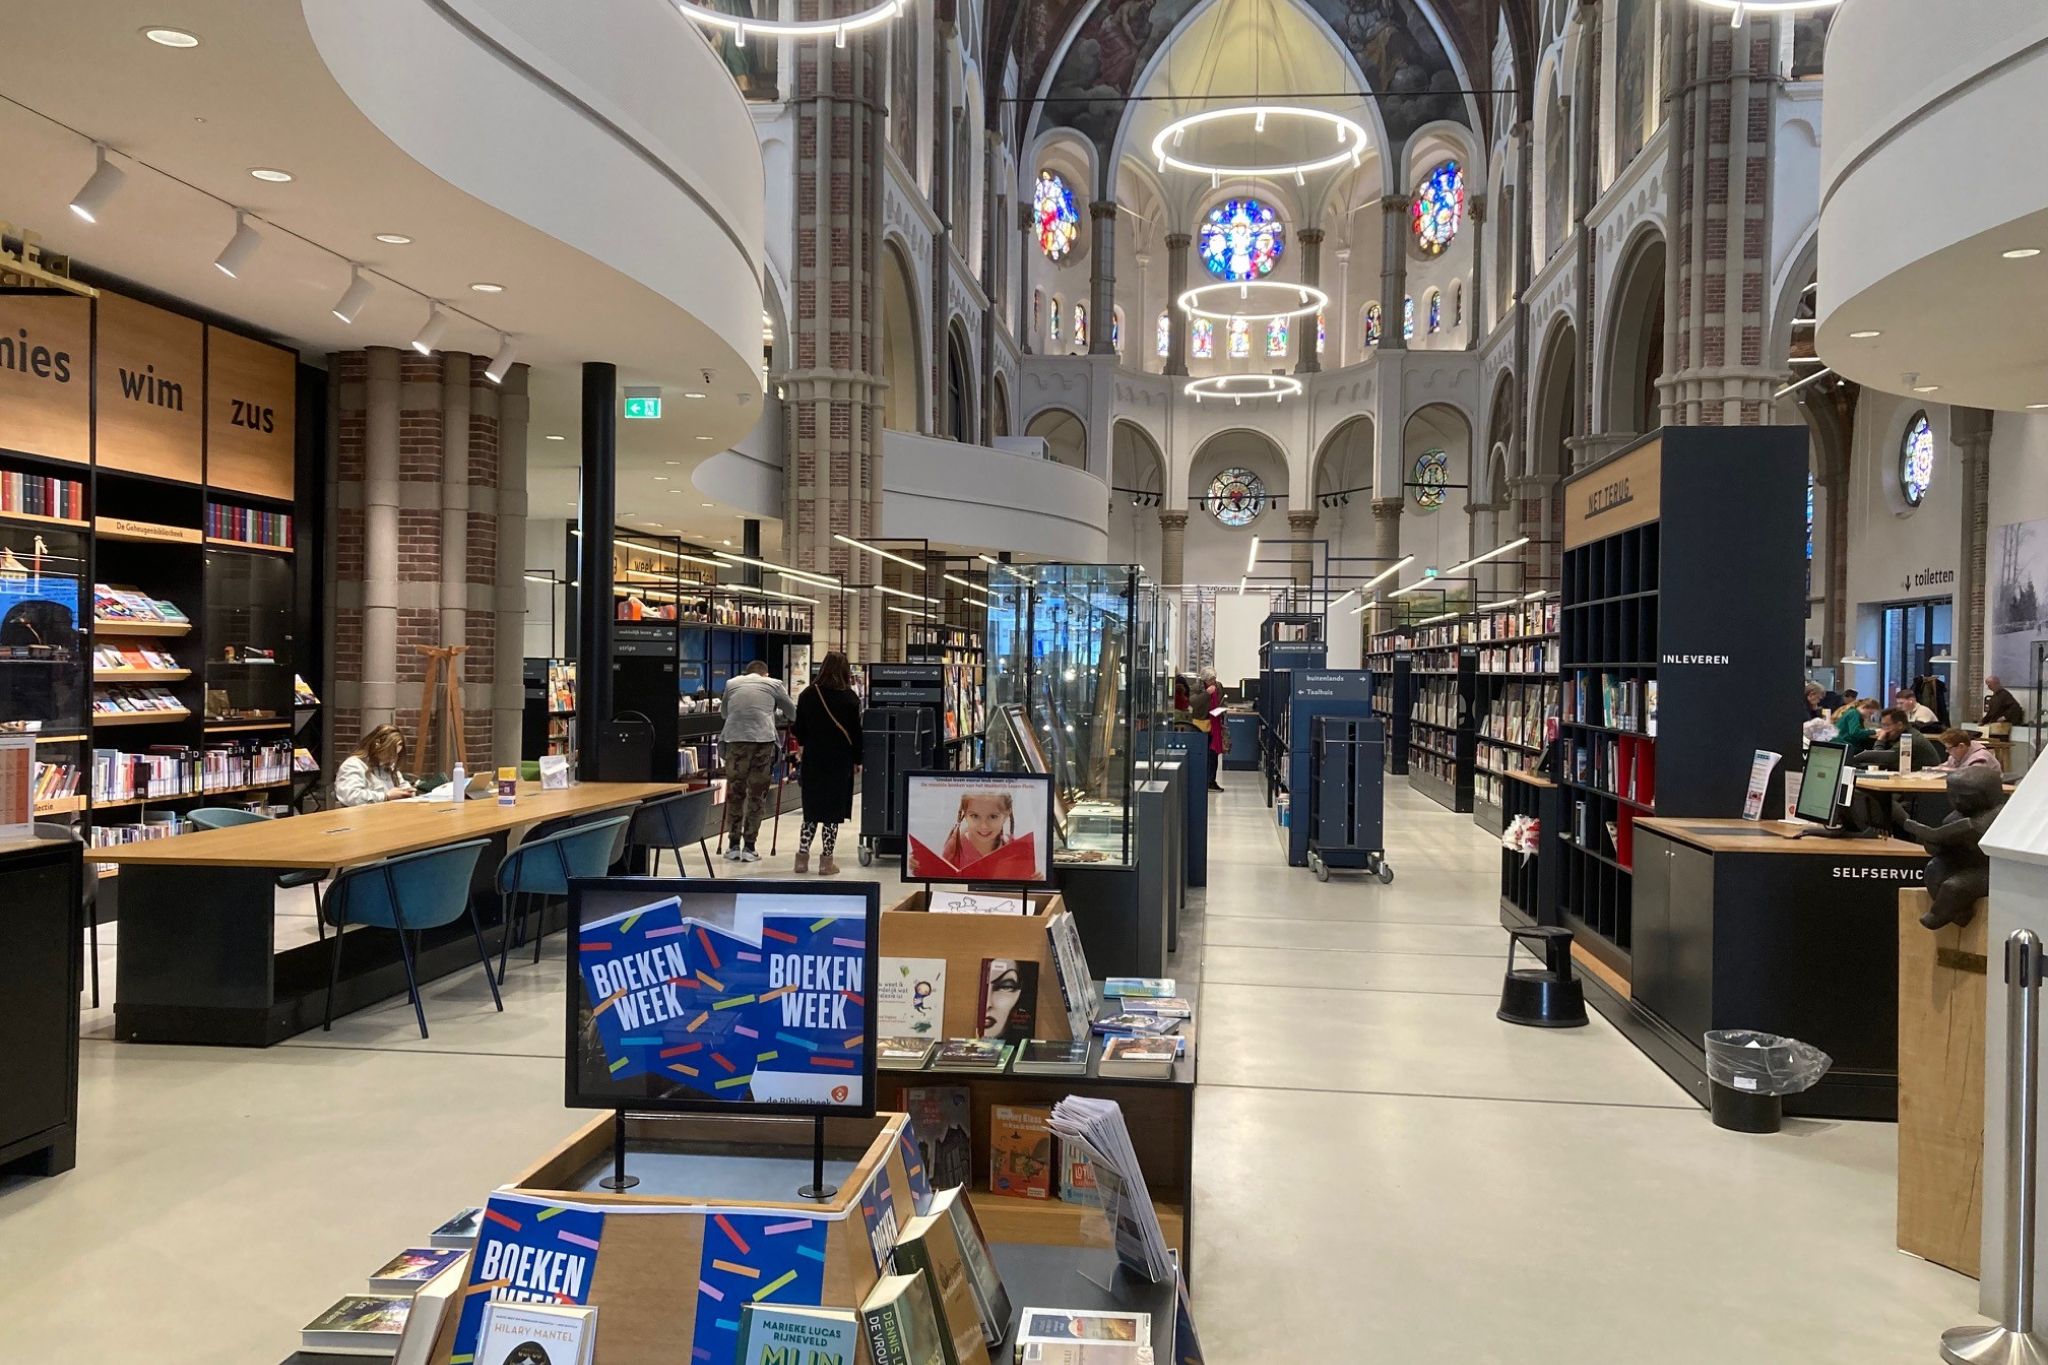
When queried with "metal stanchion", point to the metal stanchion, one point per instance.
{"points": [[2014, 1341]]}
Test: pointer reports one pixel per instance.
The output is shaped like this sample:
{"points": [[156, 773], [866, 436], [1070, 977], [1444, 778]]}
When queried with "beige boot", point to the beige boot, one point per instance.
{"points": [[803, 860], [827, 867]]}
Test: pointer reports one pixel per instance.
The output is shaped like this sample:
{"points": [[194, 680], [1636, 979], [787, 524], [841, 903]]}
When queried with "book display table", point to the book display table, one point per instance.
{"points": [[198, 961], [40, 924]]}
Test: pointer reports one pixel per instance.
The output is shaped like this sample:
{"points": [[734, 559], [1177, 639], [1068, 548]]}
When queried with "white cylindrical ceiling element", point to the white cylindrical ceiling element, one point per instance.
{"points": [[355, 296], [501, 363], [92, 196], [234, 257], [430, 335]]}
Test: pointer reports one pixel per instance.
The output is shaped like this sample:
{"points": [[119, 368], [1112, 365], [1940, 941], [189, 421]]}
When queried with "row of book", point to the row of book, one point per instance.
{"points": [[1435, 702], [1436, 765], [1522, 714], [1535, 656], [1022, 1159], [120, 699], [1613, 838], [246, 524], [132, 604], [55, 781], [1133, 1046], [180, 770], [138, 658], [1508, 623], [1616, 700], [409, 1298], [1624, 765], [107, 836], [40, 495]]}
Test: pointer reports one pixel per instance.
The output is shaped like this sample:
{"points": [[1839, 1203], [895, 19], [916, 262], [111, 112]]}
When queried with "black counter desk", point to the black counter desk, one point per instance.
{"points": [[41, 974], [1036, 1277]]}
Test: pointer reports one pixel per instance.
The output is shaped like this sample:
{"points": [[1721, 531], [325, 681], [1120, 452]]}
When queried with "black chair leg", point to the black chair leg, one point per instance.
{"points": [[319, 918], [704, 849], [92, 933], [412, 981], [505, 903], [540, 927], [483, 955], [333, 980]]}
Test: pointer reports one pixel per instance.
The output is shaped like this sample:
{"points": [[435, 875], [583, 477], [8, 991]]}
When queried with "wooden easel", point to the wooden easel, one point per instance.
{"points": [[442, 675]]}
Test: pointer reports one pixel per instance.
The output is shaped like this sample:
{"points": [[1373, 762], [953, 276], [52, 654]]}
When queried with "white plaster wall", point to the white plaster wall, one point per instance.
{"points": [[1888, 542], [546, 550]]}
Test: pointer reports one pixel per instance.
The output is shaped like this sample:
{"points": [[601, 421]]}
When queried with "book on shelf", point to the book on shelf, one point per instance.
{"points": [[459, 1231], [973, 1054], [1139, 987], [249, 525], [942, 1123], [790, 1334], [1061, 1336], [1134, 1026], [900, 1318], [359, 1324], [1166, 1007], [929, 1245], [1142, 1058], [412, 1268], [41, 495], [910, 1053], [430, 1305], [1020, 1151], [1039, 1057], [515, 1333], [910, 996]]}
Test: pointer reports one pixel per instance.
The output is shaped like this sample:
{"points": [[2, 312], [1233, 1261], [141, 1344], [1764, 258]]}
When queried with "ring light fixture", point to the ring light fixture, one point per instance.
{"points": [[1742, 9], [1309, 300], [1237, 388], [1348, 141], [743, 27]]}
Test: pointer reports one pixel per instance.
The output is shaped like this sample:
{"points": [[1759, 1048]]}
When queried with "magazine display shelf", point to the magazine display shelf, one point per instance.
{"points": [[965, 941]]}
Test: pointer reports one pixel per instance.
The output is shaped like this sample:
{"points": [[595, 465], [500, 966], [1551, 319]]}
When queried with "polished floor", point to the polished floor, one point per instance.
{"points": [[1384, 1171]]}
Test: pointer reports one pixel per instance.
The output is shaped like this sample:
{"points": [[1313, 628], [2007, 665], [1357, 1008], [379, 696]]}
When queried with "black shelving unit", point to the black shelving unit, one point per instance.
{"points": [[964, 716], [1518, 695], [1530, 883], [1674, 642], [1391, 665], [1443, 680]]}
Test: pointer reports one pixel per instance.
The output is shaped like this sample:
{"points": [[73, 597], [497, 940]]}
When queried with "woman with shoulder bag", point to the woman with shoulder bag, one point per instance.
{"points": [[828, 727]]}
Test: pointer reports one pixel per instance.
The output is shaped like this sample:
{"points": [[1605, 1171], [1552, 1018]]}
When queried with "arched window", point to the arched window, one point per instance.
{"points": [[1059, 222], [1916, 460], [1205, 338], [1080, 326], [959, 401], [1374, 322], [1439, 209], [1322, 334], [1407, 316], [1240, 339], [1431, 474], [1052, 322], [1436, 312], [1164, 344], [1457, 303], [1116, 331], [1242, 239], [1276, 337], [1037, 310]]}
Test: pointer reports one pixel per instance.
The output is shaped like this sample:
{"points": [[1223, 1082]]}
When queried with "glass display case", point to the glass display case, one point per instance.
{"points": [[248, 636], [44, 686]]}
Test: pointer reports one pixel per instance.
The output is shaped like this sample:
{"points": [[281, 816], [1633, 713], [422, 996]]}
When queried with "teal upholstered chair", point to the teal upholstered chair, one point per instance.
{"points": [[541, 867], [224, 817], [408, 895], [672, 823]]}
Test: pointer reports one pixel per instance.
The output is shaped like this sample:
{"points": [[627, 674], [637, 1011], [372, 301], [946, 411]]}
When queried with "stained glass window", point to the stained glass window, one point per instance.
{"points": [[1457, 304], [1236, 497], [1240, 339], [1322, 334], [1916, 460], [1374, 321], [1059, 222], [1407, 317], [1436, 312], [1116, 332], [1081, 326], [1165, 342], [1205, 339], [1432, 472], [1276, 336], [1439, 209], [1052, 326], [1242, 240]]}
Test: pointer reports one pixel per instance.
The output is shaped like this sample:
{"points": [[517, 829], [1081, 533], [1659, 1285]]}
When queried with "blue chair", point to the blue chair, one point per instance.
{"points": [[672, 823], [225, 817], [407, 894], [542, 867]]}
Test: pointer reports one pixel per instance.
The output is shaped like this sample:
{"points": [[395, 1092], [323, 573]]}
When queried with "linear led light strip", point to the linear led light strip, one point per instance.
{"points": [[909, 596], [1006, 568], [672, 554], [1433, 620], [1496, 551], [743, 26], [1350, 142], [1741, 9], [877, 550], [806, 576]]}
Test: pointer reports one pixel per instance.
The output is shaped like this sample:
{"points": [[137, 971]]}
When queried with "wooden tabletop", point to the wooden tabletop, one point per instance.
{"points": [[361, 834], [1924, 780], [1528, 775], [1774, 836]]}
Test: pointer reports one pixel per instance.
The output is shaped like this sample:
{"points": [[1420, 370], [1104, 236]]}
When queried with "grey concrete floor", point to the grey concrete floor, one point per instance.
{"points": [[1384, 1171]]}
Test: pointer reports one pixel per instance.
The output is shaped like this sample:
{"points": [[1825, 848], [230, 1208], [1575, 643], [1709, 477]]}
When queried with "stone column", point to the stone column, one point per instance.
{"points": [[1536, 502], [1306, 361], [1301, 527], [1177, 244], [1970, 429], [1342, 303], [833, 458], [1474, 317], [1393, 271], [1102, 276], [1173, 541], [1386, 548]]}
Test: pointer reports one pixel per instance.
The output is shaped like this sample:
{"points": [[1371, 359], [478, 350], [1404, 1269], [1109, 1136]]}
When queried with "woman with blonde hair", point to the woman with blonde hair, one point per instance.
{"points": [[370, 775]]}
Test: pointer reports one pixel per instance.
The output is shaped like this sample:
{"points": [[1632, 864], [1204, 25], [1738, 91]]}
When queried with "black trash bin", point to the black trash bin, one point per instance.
{"points": [[1750, 1073]]}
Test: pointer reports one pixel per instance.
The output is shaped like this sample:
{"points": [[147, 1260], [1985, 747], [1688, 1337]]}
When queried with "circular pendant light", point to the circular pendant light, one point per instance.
{"points": [[1742, 9], [1347, 141], [1243, 388], [743, 27], [1306, 297]]}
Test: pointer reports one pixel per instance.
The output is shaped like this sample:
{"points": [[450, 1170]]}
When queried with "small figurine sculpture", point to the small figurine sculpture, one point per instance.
{"points": [[1958, 873]]}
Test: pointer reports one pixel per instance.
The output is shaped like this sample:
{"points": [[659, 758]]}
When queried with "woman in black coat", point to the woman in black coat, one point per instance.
{"points": [[828, 727]]}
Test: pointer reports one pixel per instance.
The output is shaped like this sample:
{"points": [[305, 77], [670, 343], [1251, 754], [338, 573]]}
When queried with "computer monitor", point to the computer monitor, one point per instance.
{"points": [[1820, 785]]}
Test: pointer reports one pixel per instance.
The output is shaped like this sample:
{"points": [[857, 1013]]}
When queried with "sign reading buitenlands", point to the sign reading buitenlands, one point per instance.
{"points": [[1614, 495]]}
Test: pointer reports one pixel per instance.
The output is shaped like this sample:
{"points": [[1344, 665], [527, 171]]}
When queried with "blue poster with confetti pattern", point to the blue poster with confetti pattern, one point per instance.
{"points": [[751, 1258], [528, 1251]]}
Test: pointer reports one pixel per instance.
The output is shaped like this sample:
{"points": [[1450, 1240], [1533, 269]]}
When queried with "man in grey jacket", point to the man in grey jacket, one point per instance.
{"points": [[752, 702]]}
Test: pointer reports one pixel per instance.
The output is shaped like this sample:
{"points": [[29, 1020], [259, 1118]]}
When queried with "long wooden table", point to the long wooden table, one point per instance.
{"points": [[199, 961]]}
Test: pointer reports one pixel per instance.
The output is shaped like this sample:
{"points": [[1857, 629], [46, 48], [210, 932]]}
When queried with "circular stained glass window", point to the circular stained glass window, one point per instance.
{"points": [[1059, 222], [1432, 472], [1242, 240], [1916, 460], [1236, 497], [1439, 209]]}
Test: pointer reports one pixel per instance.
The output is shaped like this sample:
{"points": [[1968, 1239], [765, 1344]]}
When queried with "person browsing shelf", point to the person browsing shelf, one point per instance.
{"points": [[1965, 752], [2001, 707], [1212, 711], [1917, 713], [1894, 737], [828, 727], [370, 775], [752, 701]]}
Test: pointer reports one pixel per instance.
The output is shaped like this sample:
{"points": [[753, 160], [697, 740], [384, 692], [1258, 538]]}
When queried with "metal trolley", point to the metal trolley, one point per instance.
{"points": [[894, 740], [1347, 797]]}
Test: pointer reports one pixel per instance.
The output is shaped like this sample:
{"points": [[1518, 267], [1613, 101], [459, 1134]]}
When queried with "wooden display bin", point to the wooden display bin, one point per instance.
{"points": [[965, 941], [714, 1223], [1942, 980]]}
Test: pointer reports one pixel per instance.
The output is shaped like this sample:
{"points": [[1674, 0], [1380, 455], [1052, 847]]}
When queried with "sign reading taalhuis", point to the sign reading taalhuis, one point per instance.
{"points": [[1618, 494]]}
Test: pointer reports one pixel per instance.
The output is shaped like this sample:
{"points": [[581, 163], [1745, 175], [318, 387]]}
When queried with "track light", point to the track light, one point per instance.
{"points": [[235, 255], [355, 296], [1481, 559], [430, 335], [501, 363], [1384, 574], [92, 197], [863, 545], [1251, 560]]}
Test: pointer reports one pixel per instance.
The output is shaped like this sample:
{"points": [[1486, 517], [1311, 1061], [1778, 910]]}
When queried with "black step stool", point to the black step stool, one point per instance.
{"points": [[1542, 997]]}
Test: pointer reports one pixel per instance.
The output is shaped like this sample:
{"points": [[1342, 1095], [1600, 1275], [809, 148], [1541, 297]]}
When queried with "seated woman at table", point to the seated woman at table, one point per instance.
{"points": [[1966, 751], [370, 775]]}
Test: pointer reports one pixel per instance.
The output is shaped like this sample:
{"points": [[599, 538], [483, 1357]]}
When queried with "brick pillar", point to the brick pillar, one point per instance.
{"points": [[1970, 429], [834, 452], [1393, 271], [1177, 244], [1718, 189], [1306, 361], [1173, 545], [1102, 277], [1301, 527]]}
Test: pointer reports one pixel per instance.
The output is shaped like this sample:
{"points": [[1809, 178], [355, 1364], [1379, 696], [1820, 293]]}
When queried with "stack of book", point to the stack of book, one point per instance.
{"points": [[39, 495], [127, 699], [133, 658], [408, 1300], [133, 605]]}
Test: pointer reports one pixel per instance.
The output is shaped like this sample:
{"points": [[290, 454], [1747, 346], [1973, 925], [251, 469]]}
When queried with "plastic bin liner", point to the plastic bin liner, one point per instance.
{"points": [[1763, 1063]]}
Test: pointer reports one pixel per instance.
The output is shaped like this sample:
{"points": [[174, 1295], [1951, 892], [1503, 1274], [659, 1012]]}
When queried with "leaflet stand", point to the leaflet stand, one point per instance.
{"points": [[618, 1179]]}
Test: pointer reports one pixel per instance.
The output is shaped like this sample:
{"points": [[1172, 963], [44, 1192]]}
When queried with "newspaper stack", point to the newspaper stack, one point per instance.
{"points": [[1097, 1128]]}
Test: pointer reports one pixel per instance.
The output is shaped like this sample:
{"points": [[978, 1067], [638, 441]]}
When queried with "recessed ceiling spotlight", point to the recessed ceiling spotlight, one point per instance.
{"points": [[486, 287], [1927, 388], [671, 462], [661, 478], [1864, 336], [170, 37], [728, 542], [693, 394], [705, 504], [2022, 253], [271, 174], [553, 437], [2036, 407], [394, 239]]}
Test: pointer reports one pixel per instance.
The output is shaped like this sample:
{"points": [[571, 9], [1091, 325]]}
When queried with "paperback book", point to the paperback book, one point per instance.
{"points": [[359, 1325], [1141, 1058], [536, 1334], [1040, 1057], [411, 1268], [910, 996], [1139, 987], [930, 1247], [1160, 1007], [904, 1054], [1059, 1336], [459, 1231], [901, 1323], [1008, 1006], [974, 1054], [1135, 1026], [1020, 1151], [941, 1117], [773, 1334]]}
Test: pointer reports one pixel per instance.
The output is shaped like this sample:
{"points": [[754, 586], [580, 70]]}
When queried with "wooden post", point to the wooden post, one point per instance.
{"points": [[442, 676]]}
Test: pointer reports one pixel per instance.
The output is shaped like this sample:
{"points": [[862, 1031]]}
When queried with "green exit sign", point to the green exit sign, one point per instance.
{"points": [[648, 407]]}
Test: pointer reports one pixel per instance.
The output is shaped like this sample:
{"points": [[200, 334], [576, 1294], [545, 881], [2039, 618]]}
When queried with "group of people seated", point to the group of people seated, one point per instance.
{"points": [[1878, 736]]}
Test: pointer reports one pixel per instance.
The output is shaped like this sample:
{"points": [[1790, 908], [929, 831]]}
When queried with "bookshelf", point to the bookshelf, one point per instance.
{"points": [[45, 649], [1676, 631], [958, 650], [1518, 692], [1442, 748], [1391, 665]]}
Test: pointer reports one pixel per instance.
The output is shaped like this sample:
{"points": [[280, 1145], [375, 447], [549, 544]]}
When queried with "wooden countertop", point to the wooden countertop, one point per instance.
{"points": [[1532, 778], [361, 834], [1773, 836], [1934, 780]]}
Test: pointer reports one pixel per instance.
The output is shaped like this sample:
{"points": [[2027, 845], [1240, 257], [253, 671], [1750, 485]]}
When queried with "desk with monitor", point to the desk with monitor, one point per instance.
{"points": [[199, 961]]}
